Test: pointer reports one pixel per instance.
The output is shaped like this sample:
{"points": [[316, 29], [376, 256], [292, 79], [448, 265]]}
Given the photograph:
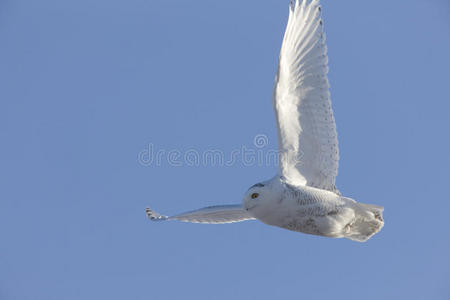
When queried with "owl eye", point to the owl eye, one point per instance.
{"points": [[255, 195]]}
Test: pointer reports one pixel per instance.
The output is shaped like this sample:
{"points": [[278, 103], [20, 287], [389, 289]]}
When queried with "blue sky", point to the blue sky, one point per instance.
{"points": [[87, 86]]}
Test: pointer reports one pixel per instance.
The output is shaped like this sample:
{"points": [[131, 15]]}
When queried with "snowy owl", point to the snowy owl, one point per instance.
{"points": [[302, 197]]}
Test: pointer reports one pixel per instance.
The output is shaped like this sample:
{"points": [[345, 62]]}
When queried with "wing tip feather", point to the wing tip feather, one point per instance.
{"points": [[154, 216]]}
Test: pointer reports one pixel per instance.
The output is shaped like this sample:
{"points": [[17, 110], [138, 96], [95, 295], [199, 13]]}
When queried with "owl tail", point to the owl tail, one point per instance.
{"points": [[368, 221]]}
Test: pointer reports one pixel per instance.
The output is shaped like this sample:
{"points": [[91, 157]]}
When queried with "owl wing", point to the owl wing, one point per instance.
{"points": [[307, 137], [210, 215]]}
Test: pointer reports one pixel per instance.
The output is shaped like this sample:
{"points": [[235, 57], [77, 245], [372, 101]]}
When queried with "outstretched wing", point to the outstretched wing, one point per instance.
{"points": [[211, 215], [306, 128]]}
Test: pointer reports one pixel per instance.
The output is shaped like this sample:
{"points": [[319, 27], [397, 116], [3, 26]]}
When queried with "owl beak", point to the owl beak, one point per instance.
{"points": [[247, 208]]}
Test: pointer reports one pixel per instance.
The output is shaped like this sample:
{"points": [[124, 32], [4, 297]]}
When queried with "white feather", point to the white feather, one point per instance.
{"points": [[307, 135], [219, 214]]}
